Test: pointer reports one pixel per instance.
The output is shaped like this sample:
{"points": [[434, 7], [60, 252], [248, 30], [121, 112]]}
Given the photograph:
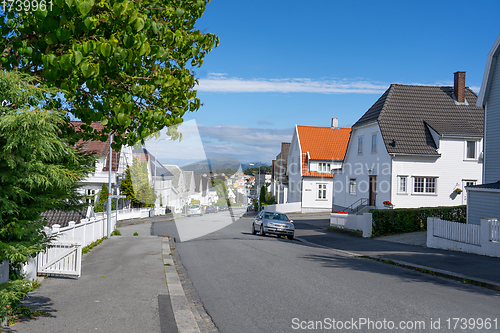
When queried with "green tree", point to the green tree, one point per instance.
{"points": [[220, 187], [126, 187], [263, 169], [103, 198], [120, 62], [262, 195], [136, 185], [39, 171]]}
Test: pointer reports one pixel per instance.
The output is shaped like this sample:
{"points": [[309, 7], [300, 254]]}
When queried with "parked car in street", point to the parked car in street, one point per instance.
{"points": [[269, 222], [223, 208], [210, 209], [194, 210]]}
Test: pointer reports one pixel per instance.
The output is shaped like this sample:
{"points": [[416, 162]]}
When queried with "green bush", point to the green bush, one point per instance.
{"points": [[403, 220]]}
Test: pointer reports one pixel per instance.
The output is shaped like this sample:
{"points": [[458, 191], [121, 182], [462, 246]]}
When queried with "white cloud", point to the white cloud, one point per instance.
{"points": [[218, 82], [244, 143]]}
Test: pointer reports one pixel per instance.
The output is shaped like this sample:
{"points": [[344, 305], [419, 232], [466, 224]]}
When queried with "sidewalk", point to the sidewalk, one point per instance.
{"points": [[122, 289], [473, 268]]}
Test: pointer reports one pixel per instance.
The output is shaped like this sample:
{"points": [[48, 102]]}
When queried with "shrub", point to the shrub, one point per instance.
{"points": [[402, 220]]}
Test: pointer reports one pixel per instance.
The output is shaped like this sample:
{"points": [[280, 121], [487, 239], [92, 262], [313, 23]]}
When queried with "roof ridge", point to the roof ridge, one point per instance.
{"points": [[324, 127]]}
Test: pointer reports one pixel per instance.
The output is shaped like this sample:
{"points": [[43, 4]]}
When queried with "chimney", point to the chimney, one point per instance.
{"points": [[459, 87], [335, 122]]}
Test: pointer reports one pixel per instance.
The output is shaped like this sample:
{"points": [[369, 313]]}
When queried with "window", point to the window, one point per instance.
{"points": [[471, 149], [374, 143], [352, 186], [324, 167], [321, 191], [402, 184], [424, 185], [90, 196], [360, 145]]}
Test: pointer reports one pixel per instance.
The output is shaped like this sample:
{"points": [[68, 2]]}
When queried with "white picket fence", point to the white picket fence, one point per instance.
{"points": [[459, 232], [64, 255], [479, 239]]}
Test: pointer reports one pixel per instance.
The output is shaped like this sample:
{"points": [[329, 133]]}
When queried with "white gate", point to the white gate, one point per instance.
{"points": [[62, 258]]}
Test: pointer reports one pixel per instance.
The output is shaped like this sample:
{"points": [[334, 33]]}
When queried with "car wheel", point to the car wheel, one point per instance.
{"points": [[253, 229], [262, 233], [290, 237]]}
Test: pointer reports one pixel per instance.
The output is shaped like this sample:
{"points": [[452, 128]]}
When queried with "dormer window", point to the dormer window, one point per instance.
{"points": [[324, 167]]}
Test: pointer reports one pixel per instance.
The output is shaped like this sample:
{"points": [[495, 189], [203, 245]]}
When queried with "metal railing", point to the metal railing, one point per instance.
{"points": [[357, 206]]}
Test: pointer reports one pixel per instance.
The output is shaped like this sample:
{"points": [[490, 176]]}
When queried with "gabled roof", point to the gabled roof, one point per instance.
{"points": [[405, 113], [176, 172], [490, 66], [63, 217], [188, 176], [323, 143]]}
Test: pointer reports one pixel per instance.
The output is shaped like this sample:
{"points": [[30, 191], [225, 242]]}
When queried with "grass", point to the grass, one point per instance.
{"points": [[21, 311], [89, 247], [136, 233], [116, 232]]}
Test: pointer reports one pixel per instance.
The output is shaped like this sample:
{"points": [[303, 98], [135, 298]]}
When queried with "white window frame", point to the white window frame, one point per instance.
{"points": [[400, 182], [352, 186], [324, 167], [425, 186], [466, 152], [360, 144], [374, 143], [321, 191]]}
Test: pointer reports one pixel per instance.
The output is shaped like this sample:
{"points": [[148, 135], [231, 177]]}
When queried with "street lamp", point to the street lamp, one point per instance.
{"points": [[258, 191]]}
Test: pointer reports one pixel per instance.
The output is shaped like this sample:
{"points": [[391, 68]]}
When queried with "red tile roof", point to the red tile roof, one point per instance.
{"points": [[324, 143], [98, 148], [307, 173]]}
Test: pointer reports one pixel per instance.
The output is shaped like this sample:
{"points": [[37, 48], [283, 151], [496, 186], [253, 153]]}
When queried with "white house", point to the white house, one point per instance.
{"points": [[484, 199], [178, 197], [92, 185], [279, 179], [314, 152], [417, 146]]}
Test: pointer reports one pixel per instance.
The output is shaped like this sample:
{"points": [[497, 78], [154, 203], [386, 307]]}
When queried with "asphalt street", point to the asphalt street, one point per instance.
{"points": [[255, 284]]}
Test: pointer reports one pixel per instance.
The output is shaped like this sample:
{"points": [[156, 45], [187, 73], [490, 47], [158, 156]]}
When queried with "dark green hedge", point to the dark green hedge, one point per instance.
{"points": [[402, 220]]}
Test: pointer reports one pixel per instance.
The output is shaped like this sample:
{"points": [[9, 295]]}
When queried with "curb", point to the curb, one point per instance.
{"points": [[183, 315], [419, 268]]}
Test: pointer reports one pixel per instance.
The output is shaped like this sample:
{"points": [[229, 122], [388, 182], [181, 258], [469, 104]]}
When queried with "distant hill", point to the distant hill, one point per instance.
{"points": [[218, 163]]}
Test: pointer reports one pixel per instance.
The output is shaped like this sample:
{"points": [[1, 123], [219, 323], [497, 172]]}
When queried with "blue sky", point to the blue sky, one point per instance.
{"points": [[281, 63]]}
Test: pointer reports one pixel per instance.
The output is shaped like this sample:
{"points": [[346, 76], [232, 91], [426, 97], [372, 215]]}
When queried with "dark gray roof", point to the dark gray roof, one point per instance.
{"points": [[495, 186], [404, 113], [63, 218]]}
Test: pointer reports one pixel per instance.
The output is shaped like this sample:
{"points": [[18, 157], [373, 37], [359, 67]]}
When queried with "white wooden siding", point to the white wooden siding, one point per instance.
{"points": [[450, 168], [357, 165], [482, 204], [492, 128]]}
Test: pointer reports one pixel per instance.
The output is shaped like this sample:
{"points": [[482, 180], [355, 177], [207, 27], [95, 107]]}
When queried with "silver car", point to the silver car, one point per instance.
{"points": [[268, 222], [194, 210]]}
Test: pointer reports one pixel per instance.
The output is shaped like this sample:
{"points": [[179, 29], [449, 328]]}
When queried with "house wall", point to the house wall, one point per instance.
{"points": [[492, 124], [294, 170], [310, 193], [483, 204], [452, 170], [358, 165]]}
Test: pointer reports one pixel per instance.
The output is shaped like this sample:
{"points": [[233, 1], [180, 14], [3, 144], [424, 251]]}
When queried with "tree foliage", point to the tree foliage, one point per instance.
{"points": [[263, 169], [136, 185], [103, 198], [120, 62], [38, 170]]}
